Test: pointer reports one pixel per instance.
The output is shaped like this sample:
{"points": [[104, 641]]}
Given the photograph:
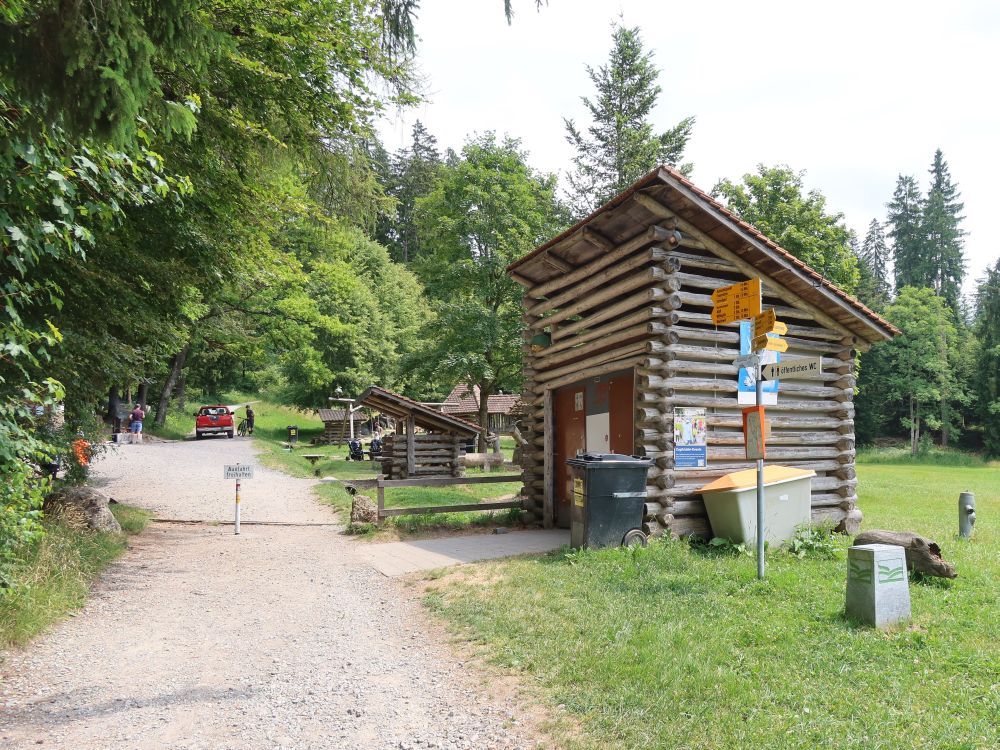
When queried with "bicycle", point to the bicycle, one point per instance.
{"points": [[241, 428]]}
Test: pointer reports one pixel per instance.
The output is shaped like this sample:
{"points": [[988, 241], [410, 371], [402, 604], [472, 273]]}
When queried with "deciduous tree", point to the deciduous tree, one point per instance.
{"points": [[772, 200], [487, 210]]}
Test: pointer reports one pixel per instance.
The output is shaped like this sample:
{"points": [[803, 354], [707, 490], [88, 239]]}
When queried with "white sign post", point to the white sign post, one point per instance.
{"points": [[805, 368], [238, 472]]}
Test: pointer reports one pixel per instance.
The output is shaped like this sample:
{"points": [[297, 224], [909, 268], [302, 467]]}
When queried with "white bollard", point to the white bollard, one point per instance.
{"points": [[237, 507], [878, 587]]}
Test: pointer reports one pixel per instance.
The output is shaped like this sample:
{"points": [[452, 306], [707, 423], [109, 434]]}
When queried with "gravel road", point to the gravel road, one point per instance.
{"points": [[278, 638]]}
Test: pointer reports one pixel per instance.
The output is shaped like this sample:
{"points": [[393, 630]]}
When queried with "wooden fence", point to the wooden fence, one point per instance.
{"points": [[380, 483]]}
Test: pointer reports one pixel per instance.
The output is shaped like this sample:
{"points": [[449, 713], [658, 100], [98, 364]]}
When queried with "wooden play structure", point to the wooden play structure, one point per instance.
{"points": [[619, 335], [336, 428], [426, 443]]}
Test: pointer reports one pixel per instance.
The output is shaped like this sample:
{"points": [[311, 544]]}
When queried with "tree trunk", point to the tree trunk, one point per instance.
{"points": [[143, 394], [113, 403], [914, 429], [484, 416], [922, 555], [182, 391], [176, 366]]}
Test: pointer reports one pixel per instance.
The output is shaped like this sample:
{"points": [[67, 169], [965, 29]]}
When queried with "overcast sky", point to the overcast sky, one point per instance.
{"points": [[854, 93]]}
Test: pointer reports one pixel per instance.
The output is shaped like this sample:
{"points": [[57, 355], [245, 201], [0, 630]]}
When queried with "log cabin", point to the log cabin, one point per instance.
{"points": [[618, 335]]}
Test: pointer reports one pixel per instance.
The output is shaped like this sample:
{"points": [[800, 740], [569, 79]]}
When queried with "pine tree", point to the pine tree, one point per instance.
{"points": [[942, 234], [408, 175], [987, 371], [904, 221], [621, 146], [874, 289]]}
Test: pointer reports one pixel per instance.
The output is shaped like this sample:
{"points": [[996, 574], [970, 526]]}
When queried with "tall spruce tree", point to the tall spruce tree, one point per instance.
{"points": [[874, 289], [987, 371], [408, 175], [942, 233], [621, 145], [904, 220]]}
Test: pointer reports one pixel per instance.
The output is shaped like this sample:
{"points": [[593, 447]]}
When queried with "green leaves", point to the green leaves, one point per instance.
{"points": [[772, 200]]}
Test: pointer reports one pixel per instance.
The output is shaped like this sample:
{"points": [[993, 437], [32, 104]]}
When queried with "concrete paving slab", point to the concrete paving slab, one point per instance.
{"points": [[399, 558]]}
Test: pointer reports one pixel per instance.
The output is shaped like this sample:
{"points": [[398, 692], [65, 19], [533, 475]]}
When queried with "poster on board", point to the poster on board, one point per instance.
{"points": [[747, 393], [690, 438]]}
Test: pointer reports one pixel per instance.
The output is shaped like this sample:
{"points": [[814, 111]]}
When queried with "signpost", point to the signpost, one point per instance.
{"points": [[806, 368], [769, 343], [743, 302], [736, 302], [238, 472]]}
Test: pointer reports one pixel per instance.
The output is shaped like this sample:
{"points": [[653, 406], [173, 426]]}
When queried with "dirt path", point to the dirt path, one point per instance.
{"points": [[278, 638]]}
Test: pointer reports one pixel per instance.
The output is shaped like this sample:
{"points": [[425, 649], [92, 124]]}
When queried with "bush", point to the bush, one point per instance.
{"points": [[21, 495]]}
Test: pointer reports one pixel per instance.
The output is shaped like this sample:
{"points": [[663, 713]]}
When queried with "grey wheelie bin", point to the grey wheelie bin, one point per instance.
{"points": [[609, 491]]}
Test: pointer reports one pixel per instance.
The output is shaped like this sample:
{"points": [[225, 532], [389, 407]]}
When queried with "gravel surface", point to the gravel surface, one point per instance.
{"points": [[278, 638]]}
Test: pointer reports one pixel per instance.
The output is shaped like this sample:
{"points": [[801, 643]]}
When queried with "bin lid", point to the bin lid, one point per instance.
{"points": [[741, 480], [607, 461]]}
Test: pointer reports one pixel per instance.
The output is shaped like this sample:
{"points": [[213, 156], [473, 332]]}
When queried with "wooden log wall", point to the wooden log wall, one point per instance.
{"points": [[649, 308], [603, 317], [434, 454]]}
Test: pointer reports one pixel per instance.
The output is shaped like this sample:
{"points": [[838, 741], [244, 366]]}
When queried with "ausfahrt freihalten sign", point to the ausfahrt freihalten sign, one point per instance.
{"points": [[806, 368], [238, 471]]}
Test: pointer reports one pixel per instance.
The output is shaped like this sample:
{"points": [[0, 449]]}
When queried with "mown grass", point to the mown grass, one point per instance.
{"points": [[931, 457], [54, 575], [671, 647]]}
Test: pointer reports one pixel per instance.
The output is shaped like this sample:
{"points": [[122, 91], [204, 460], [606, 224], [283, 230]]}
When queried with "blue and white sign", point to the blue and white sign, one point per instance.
{"points": [[747, 393]]}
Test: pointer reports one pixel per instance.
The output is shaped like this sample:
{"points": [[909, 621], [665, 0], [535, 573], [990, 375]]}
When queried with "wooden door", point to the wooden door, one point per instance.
{"points": [[622, 412], [569, 421]]}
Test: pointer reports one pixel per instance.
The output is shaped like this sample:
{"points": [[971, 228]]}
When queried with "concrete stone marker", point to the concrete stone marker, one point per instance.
{"points": [[878, 588]]}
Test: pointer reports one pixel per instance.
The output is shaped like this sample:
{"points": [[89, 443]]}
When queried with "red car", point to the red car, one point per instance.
{"points": [[213, 420]]}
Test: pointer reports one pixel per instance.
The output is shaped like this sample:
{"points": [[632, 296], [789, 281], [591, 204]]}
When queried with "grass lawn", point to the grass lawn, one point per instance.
{"points": [[676, 647], [53, 577]]}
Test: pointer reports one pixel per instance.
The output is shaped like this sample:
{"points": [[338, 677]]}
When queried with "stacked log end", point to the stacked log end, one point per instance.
{"points": [[434, 454]]}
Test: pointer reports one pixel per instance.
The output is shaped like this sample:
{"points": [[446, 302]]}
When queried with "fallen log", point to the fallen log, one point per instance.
{"points": [[922, 555]]}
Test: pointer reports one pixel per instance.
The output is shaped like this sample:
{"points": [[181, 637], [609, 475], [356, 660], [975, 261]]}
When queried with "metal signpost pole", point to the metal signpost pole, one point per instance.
{"points": [[760, 486], [237, 506]]}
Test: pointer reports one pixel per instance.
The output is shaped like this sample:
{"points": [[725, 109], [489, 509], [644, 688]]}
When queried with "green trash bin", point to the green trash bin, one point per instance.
{"points": [[609, 491]]}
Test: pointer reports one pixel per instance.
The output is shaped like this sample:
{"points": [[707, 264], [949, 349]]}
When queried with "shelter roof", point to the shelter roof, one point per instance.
{"points": [[463, 401], [337, 415], [426, 417], [665, 194]]}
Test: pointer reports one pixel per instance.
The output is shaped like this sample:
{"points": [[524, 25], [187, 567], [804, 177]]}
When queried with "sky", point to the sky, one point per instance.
{"points": [[854, 93]]}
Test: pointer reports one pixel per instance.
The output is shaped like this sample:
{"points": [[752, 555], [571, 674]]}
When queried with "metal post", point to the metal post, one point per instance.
{"points": [[760, 486], [237, 506], [350, 417], [966, 514]]}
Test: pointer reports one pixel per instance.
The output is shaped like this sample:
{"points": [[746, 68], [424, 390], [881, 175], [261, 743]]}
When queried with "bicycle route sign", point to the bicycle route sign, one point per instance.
{"points": [[238, 471]]}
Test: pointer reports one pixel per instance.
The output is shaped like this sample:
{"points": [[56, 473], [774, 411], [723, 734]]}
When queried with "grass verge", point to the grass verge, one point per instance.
{"points": [[677, 647], [54, 575]]}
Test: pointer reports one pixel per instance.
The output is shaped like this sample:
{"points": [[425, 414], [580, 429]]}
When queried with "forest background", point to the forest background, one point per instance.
{"points": [[193, 200]]}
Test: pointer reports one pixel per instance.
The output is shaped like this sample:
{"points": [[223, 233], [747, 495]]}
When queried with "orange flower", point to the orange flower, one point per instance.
{"points": [[81, 450]]}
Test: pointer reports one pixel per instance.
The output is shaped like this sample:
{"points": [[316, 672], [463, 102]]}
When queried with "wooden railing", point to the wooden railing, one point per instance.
{"points": [[380, 483]]}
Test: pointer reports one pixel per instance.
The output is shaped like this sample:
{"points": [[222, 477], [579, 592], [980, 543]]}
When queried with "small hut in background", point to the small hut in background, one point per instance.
{"points": [[426, 443], [464, 403], [619, 341], [336, 428]]}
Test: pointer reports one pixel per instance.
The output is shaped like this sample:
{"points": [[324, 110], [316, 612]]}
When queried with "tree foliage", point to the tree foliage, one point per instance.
{"points": [[987, 327], [772, 200], [874, 287], [487, 210], [621, 144]]}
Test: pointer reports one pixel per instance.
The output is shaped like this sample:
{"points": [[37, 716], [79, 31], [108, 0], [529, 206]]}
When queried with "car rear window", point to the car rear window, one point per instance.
{"points": [[215, 410]]}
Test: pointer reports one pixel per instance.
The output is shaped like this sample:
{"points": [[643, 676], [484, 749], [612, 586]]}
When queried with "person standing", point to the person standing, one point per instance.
{"points": [[250, 418], [135, 424]]}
